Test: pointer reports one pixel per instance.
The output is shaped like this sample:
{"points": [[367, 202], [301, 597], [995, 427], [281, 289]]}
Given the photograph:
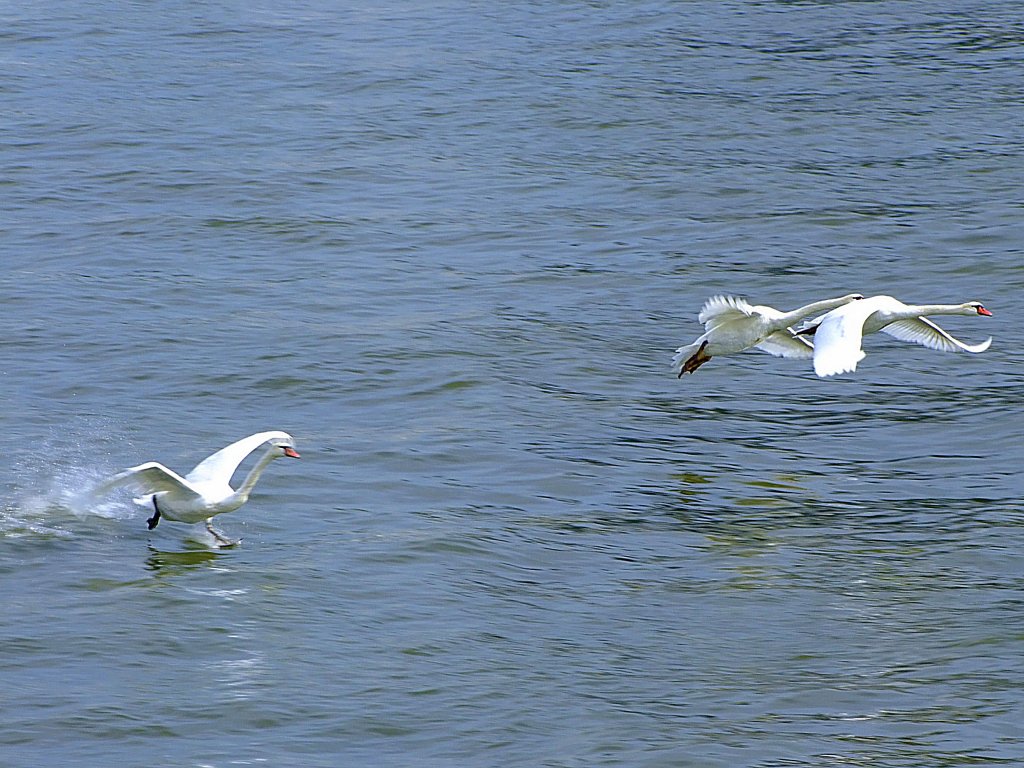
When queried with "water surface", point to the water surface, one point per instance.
{"points": [[450, 248]]}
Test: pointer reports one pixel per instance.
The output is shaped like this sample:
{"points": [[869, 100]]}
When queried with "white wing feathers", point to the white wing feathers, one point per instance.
{"points": [[921, 330], [838, 337], [148, 478], [719, 309], [785, 344], [221, 466]]}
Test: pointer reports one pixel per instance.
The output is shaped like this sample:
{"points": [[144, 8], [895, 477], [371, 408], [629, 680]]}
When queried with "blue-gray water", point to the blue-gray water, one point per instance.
{"points": [[450, 247]]}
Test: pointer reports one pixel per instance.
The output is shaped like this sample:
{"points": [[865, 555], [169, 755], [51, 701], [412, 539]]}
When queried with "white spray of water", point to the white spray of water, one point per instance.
{"points": [[49, 491]]}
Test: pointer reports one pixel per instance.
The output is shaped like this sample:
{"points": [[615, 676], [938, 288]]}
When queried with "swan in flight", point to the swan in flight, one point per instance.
{"points": [[732, 325], [838, 335], [206, 490]]}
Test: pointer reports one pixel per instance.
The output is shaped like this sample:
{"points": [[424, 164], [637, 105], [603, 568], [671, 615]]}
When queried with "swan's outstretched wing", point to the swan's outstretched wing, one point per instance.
{"points": [[720, 309], [921, 330], [785, 344], [148, 478], [809, 327], [222, 465], [838, 337]]}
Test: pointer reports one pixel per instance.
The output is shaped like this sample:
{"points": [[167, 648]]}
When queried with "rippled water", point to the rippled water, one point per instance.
{"points": [[451, 248]]}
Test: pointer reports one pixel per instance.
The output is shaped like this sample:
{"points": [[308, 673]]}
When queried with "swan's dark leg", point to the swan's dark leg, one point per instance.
{"points": [[152, 521], [221, 539], [697, 359]]}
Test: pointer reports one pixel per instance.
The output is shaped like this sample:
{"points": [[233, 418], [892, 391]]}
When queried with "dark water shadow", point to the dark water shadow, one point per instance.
{"points": [[173, 563]]}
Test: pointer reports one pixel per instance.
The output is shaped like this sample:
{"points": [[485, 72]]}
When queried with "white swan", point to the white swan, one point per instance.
{"points": [[206, 490], [838, 335], [732, 325]]}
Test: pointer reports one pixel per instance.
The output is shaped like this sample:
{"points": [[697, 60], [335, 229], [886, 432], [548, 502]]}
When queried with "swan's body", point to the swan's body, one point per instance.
{"points": [[206, 490], [732, 325], [838, 335]]}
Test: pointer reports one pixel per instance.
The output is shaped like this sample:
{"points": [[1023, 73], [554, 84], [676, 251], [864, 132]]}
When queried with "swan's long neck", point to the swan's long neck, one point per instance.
{"points": [[918, 310], [251, 479], [825, 305]]}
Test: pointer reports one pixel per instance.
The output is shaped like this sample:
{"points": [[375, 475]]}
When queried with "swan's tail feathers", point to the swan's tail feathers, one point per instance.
{"points": [[682, 355], [691, 357], [828, 363]]}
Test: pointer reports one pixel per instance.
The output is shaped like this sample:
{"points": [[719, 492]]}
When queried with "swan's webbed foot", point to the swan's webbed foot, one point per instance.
{"points": [[696, 360], [220, 538], [152, 521]]}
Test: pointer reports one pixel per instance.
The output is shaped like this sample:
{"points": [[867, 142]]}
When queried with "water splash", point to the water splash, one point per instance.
{"points": [[51, 505], [49, 491]]}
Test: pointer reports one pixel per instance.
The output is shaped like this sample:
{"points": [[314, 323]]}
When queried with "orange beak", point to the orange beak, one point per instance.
{"points": [[983, 311], [291, 452]]}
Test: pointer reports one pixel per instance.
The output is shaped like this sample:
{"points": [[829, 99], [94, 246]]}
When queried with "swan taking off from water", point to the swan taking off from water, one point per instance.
{"points": [[206, 490], [838, 335], [732, 325]]}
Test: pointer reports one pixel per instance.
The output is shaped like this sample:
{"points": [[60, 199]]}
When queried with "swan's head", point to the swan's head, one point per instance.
{"points": [[852, 297], [284, 446], [976, 308]]}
